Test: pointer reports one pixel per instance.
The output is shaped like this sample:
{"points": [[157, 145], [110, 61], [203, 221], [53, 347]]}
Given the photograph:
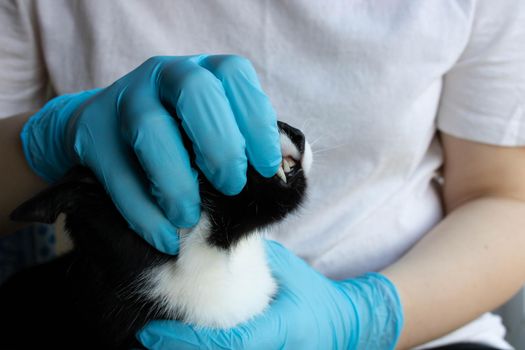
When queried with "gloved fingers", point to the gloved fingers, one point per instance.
{"points": [[253, 112], [170, 335], [206, 116], [177, 335], [120, 175], [155, 137]]}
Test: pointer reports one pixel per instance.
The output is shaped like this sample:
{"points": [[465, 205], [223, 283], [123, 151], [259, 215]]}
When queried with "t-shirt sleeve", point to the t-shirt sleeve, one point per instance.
{"points": [[23, 79], [483, 96]]}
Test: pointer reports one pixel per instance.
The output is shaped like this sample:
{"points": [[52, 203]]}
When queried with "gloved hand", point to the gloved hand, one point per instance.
{"points": [[309, 312], [221, 107]]}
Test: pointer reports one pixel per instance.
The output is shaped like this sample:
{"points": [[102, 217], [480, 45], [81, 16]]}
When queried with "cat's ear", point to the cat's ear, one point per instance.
{"points": [[295, 135], [61, 197]]}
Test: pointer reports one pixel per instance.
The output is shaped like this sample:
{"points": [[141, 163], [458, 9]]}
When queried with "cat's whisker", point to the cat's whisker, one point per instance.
{"points": [[324, 150], [315, 141], [306, 124]]}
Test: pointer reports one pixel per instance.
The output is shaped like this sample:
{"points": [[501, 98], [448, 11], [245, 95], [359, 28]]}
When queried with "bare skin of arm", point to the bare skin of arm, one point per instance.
{"points": [[17, 181], [473, 260]]}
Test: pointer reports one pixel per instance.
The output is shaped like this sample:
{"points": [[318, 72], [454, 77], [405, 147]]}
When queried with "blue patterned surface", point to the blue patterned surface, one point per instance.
{"points": [[29, 246]]}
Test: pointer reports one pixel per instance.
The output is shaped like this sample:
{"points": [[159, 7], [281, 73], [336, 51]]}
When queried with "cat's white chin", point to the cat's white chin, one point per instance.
{"points": [[212, 287]]}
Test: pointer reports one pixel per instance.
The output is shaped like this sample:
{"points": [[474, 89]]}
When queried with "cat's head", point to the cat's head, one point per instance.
{"points": [[263, 201]]}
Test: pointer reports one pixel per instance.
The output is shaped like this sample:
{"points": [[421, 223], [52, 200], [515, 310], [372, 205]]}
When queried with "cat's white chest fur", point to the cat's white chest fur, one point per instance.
{"points": [[213, 287]]}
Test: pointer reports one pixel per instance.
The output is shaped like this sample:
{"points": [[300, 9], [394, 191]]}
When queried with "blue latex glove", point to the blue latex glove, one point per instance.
{"points": [[221, 107], [309, 312]]}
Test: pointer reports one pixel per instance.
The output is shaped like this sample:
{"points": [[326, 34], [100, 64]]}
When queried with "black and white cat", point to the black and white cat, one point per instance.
{"points": [[113, 282]]}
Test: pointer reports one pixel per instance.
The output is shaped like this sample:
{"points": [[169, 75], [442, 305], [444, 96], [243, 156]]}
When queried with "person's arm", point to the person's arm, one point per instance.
{"points": [[17, 181], [473, 260]]}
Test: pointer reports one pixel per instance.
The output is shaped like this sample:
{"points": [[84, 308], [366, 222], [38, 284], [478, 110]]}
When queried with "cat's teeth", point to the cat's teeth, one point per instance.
{"points": [[281, 174], [286, 165]]}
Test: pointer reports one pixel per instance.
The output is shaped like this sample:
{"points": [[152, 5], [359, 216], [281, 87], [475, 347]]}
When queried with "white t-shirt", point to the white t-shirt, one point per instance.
{"points": [[369, 82]]}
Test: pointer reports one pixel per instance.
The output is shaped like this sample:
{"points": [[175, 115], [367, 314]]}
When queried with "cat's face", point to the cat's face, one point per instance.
{"points": [[261, 202]]}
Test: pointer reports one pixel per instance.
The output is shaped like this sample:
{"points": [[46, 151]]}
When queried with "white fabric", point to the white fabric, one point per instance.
{"points": [[364, 79], [482, 331]]}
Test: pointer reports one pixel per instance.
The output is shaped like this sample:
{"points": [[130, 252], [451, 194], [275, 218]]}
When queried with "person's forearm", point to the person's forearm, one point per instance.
{"points": [[470, 263], [17, 180]]}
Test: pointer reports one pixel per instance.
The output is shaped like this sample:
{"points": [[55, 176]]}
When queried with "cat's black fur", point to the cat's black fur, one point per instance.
{"points": [[85, 299]]}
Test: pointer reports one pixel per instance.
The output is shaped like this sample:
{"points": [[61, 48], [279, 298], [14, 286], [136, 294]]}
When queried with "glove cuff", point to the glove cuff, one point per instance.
{"points": [[43, 136], [378, 310]]}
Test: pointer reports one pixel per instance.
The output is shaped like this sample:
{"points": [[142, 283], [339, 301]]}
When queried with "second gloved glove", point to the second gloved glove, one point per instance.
{"points": [[310, 311]]}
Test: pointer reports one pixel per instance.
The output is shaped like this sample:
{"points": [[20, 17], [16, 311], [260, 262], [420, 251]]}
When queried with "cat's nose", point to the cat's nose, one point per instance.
{"points": [[295, 135]]}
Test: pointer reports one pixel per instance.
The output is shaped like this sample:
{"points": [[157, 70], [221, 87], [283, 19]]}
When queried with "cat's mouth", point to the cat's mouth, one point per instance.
{"points": [[297, 155], [288, 169]]}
